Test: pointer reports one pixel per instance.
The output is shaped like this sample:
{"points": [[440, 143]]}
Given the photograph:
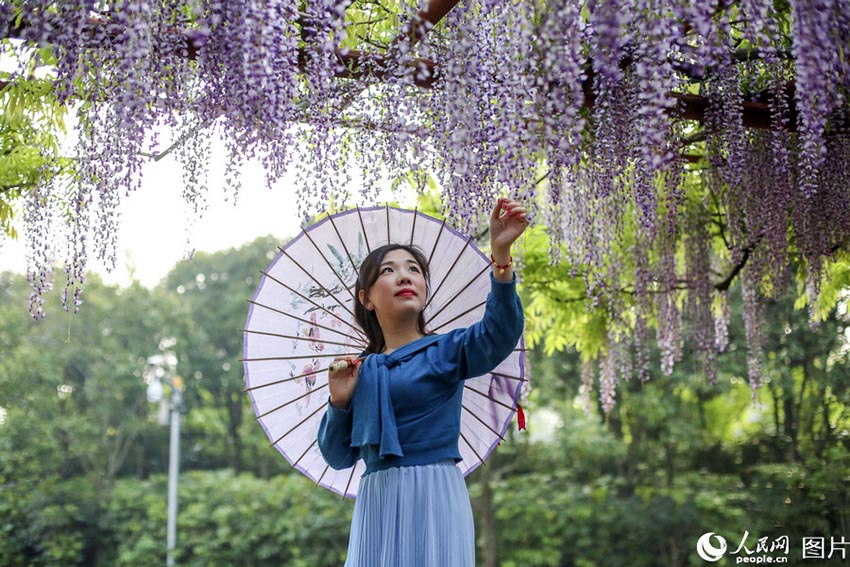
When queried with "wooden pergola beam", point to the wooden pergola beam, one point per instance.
{"points": [[756, 114], [430, 17]]}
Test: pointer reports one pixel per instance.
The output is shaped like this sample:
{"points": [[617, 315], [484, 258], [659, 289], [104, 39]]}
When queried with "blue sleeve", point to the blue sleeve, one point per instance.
{"points": [[334, 438], [482, 346]]}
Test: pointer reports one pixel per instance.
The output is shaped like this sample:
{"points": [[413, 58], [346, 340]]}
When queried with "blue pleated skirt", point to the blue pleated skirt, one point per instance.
{"points": [[417, 516]]}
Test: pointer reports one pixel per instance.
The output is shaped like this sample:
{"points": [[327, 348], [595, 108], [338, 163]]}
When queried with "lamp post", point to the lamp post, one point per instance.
{"points": [[161, 369]]}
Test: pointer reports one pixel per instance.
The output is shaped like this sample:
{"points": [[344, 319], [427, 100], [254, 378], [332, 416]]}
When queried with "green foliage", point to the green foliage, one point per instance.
{"points": [[679, 457], [372, 24], [81, 377], [833, 286], [595, 524], [32, 122], [230, 520], [556, 303]]}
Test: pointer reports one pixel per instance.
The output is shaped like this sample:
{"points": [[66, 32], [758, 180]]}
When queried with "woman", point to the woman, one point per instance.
{"points": [[398, 406]]}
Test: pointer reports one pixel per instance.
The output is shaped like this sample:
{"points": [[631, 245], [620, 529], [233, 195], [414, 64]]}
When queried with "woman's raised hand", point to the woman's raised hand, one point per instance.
{"points": [[342, 379], [507, 222]]}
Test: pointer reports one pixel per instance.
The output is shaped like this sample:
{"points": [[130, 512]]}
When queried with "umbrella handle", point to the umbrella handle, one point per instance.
{"points": [[338, 365]]}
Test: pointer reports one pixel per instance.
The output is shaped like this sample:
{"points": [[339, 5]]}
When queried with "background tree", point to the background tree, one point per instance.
{"points": [[214, 289]]}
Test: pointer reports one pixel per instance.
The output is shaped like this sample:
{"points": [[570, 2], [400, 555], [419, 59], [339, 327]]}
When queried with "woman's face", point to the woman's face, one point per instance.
{"points": [[400, 290]]}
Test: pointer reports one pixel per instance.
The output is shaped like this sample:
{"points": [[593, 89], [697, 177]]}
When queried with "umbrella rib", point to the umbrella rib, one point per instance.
{"points": [[460, 291], [509, 377], [321, 476], [270, 308], [297, 357], [305, 298], [296, 426], [319, 250], [458, 316], [341, 241], [484, 423], [363, 228], [318, 283], [451, 269], [494, 400], [290, 379], [413, 228], [348, 484], [292, 401], [436, 242], [307, 450], [389, 237], [462, 436], [294, 338]]}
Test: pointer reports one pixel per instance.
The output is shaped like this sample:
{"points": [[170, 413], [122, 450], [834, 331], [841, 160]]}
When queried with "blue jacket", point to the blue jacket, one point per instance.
{"points": [[406, 407]]}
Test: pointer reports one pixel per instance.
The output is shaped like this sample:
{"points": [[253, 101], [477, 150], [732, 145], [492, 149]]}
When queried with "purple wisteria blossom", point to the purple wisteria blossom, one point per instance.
{"points": [[817, 53], [675, 152]]}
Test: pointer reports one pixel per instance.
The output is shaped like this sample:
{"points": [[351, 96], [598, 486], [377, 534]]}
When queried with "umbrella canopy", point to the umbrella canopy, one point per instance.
{"points": [[302, 316]]}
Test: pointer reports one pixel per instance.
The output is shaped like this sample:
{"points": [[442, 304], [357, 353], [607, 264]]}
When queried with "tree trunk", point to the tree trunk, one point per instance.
{"points": [[234, 412], [791, 424], [676, 557], [826, 438]]}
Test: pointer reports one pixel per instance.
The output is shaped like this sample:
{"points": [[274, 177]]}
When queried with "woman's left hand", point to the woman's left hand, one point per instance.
{"points": [[507, 222]]}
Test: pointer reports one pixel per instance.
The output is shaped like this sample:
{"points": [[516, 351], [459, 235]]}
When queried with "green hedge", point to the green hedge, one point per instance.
{"points": [[548, 519], [228, 520]]}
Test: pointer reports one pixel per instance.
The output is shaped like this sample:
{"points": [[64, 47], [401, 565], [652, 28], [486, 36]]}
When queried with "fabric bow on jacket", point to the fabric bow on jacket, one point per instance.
{"points": [[375, 424]]}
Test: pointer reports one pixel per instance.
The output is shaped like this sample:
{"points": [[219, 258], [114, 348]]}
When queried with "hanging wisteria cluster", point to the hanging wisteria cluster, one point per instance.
{"points": [[670, 147]]}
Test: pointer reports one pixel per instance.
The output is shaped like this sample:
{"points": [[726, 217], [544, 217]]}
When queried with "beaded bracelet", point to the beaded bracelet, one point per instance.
{"points": [[501, 267]]}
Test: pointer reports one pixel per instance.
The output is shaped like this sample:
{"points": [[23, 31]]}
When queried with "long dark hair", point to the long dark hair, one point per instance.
{"points": [[369, 272]]}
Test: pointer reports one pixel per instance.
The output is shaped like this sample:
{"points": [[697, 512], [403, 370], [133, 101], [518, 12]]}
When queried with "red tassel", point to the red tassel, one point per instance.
{"points": [[520, 418]]}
